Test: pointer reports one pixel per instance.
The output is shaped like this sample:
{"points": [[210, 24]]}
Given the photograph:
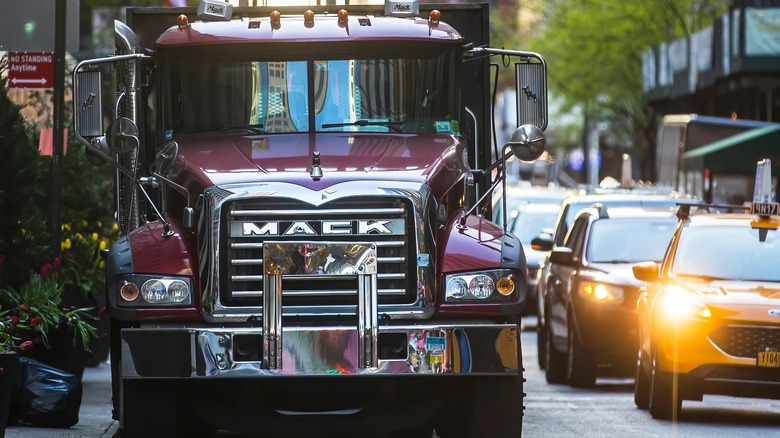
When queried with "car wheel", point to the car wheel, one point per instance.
{"points": [[580, 369], [555, 371], [664, 401], [641, 385], [541, 344]]}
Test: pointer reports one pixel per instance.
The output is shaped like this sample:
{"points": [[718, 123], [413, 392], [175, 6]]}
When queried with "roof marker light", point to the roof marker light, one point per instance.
{"points": [[182, 21], [343, 16], [308, 18], [434, 17], [276, 20]]}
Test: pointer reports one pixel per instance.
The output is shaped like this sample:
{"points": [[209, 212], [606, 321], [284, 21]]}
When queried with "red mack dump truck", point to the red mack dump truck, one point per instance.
{"points": [[303, 197]]}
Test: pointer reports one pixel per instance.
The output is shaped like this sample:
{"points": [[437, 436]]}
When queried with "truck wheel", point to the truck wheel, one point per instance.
{"points": [[541, 345], [641, 385], [555, 371], [665, 403], [580, 369]]}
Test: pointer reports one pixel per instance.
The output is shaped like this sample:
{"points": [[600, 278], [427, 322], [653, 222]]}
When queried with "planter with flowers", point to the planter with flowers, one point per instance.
{"points": [[83, 277], [48, 329], [10, 367]]}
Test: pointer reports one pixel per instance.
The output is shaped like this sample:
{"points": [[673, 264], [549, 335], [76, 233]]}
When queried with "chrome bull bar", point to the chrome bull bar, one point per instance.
{"points": [[299, 259]]}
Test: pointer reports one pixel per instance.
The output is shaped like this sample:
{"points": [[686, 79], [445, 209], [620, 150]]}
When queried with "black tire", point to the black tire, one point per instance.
{"points": [[665, 403], [641, 385], [580, 368], [541, 344], [555, 371]]}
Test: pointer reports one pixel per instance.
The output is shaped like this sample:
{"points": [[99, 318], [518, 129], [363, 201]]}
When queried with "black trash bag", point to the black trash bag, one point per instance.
{"points": [[48, 397]]}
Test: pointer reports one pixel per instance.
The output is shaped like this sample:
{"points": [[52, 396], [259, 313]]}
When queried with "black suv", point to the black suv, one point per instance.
{"points": [[592, 293], [569, 209]]}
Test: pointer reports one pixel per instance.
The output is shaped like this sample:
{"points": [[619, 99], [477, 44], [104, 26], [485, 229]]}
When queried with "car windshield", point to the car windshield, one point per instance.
{"points": [[729, 253], [404, 94], [632, 240], [529, 224]]}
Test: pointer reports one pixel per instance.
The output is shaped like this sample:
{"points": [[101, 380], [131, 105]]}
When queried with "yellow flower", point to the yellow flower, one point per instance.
{"points": [[115, 226], [62, 246], [99, 224], [95, 236], [79, 237], [67, 243], [101, 264], [103, 245]]}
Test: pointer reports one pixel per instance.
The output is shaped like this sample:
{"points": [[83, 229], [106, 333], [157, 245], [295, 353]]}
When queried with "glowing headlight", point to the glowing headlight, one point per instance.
{"points": [[680, 303], [154, 291], [495, 285], [603, 293]]}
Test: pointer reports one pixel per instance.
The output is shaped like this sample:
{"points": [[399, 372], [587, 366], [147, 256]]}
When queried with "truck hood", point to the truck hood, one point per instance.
{"points": [[237, 159]]}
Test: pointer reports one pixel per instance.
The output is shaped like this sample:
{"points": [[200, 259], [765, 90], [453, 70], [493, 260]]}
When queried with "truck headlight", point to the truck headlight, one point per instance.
{"points": [[148, 291], [487, 285], [602, 293]]}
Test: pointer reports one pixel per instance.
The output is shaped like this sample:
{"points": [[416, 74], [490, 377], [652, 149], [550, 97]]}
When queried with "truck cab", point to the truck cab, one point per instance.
{"points": [[304, 198]]}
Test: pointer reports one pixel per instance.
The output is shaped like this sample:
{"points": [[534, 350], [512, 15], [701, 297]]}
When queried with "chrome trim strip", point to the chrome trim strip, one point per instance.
{"points": [[368, 348], [272, 314], [341, 293], [473, 348], [324, 212]]}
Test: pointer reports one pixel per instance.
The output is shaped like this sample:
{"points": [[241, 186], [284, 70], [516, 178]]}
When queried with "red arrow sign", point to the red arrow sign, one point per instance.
{"points": [[31, 70]]}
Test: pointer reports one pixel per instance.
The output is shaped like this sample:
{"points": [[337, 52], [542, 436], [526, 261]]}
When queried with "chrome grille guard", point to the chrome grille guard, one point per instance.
{"points": [[334, 259]]}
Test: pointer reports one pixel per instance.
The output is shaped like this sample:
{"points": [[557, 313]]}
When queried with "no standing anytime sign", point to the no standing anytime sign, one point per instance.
{"points": [[31, 70]]}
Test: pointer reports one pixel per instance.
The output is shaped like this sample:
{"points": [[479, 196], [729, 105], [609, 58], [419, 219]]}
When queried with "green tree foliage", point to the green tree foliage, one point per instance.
{"points": [[593, 50], [24, 193]]}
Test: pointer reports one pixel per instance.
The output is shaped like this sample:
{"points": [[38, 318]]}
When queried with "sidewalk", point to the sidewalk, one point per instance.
{"points": [[94, 416]]}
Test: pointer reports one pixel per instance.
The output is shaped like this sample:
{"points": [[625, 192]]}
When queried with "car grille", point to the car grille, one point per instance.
{"points": [[396, 253], [745, 341]]}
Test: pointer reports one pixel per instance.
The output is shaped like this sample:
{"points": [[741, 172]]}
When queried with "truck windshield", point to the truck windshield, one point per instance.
{"points": [[408, 95]]}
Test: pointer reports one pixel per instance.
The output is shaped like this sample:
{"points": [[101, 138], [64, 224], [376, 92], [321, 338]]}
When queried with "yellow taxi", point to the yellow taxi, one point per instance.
{"points": [[709, 313]]}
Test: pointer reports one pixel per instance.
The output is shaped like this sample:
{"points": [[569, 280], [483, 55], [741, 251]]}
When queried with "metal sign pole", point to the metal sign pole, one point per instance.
{"points": [[59, 117]]}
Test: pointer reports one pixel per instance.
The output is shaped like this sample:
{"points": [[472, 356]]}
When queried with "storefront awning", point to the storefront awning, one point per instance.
{"points": [[738, 153]]}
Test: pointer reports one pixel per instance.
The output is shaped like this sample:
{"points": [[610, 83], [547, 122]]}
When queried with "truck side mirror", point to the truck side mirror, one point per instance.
{"points": [[166, 156], [88, 117], [531, 83], [527, 142], [122, 136]]}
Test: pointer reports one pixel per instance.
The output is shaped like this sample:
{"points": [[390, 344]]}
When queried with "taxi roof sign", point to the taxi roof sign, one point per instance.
{"points": [[763, 202]]}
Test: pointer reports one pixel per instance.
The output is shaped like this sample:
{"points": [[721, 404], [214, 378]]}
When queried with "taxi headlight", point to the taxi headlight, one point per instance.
{"points": [[481, 286], [678, 303], [149, 291], [602, 293]]}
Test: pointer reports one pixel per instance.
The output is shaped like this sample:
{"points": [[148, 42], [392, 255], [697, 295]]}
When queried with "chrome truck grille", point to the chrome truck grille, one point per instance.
{"points": [[249, 223]]}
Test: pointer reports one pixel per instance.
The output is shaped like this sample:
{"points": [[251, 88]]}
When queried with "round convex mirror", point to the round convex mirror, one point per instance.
{"points": [[528, 142], [166, 155], [122, 136]]}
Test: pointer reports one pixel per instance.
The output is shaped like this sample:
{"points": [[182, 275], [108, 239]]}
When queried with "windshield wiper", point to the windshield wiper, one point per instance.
{"points": [[257, 128], [395, 126]]}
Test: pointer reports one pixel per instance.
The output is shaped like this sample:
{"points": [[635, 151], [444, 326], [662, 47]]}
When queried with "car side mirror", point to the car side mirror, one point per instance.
{"points": [[562, 256], [647, 271], [542, 242]]}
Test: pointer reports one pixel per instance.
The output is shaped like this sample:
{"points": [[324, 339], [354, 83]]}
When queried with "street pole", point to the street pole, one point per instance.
{"points": [[59, 130]]}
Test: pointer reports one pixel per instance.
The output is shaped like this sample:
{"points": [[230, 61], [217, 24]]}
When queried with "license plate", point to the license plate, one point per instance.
{"points": [[768, 359]]}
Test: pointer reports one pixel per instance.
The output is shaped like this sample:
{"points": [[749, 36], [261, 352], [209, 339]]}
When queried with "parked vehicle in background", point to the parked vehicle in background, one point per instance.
{"points": [[519, 195], [301, 249], [592, 293], [569, 209], [709, 315], [528, 221]]}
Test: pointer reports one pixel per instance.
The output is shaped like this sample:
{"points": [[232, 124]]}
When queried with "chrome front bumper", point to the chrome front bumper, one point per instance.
{"points": [[168, 351], [484, 349]]}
